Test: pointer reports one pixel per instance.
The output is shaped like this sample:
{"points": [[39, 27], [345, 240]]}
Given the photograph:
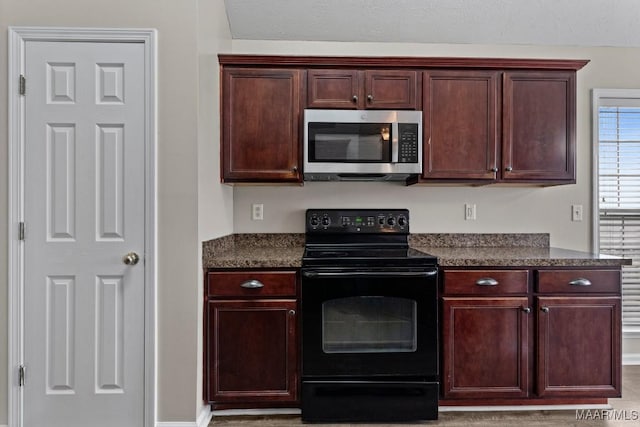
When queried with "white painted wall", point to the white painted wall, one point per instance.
{"points": [[215, 200]]}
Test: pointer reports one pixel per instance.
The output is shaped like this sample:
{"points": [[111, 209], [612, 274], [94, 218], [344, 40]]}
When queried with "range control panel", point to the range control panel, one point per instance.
{"points": [[357, 221]]}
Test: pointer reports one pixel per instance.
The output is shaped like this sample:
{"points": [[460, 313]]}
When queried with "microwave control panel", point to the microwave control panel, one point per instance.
{"points": [[407, 143]]}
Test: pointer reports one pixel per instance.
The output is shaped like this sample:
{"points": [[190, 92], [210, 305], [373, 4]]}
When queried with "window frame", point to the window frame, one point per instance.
{"points": [[599, 97]]}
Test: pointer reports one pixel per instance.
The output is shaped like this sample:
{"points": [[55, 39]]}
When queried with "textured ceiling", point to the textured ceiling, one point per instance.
{"points": [[540, 22]]}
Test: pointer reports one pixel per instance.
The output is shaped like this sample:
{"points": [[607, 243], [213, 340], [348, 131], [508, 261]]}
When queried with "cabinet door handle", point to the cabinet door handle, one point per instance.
{"points": [[508, 168], [580, 282], [252, 284], [527, 310], [494, 169], [292, 312], [486, 281], [544, 309], [370, 98], [294, 169], [354, 99]]}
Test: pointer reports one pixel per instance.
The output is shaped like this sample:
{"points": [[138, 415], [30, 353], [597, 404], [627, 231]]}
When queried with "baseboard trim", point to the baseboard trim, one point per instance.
{"points": [[257, 411], [520, 408], [205, 416], [202, 421], [631, 359]]}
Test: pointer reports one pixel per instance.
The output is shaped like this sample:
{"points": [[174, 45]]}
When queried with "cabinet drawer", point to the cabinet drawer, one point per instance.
{"points": [[578, 281], [485, 282], [251, 283]]}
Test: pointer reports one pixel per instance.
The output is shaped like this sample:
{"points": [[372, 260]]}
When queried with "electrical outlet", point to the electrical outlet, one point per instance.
{"points": [[257, 211], [470, 211], [576, 212]]}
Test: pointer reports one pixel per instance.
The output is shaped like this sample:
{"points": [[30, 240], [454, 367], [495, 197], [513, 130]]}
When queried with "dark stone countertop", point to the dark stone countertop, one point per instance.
{"points": [[519, 257], [271, 250]]}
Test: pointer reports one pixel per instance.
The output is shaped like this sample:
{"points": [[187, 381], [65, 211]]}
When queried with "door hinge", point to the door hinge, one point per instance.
{"points": [[23, 84], [21, 231], [21, 371]]}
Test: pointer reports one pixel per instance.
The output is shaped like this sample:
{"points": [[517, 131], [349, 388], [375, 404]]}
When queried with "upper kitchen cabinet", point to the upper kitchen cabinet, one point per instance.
{"points": [[486, 120], [261, 115], [362, 89], [460, 124], [514, 124], [539, 124]]}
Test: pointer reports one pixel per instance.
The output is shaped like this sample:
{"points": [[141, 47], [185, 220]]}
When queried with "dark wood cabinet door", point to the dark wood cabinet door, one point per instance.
{"points": [[578, 351], [538, 142], [261, 125], [362, 89], [485, 347], [333, 89], [460, 124], [251, 351], [391, 89]]}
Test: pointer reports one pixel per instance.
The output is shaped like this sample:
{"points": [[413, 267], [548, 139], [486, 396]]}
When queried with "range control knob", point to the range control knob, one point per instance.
{"points": [[326, 221], [391, 221], [402, 221], [314, 221]]}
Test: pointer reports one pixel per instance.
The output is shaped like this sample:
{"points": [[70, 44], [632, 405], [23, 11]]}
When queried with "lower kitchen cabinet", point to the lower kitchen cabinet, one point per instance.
{"points": [[504, 341], [251, 344], [485, 334], [579, 344], [485, 347]]}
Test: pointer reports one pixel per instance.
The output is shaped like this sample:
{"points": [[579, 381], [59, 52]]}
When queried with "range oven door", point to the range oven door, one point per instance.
{"points": [[364, 324]]}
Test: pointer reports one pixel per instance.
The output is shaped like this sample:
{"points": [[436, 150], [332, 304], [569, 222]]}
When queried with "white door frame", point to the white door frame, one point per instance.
{"points": [[18, 36]]}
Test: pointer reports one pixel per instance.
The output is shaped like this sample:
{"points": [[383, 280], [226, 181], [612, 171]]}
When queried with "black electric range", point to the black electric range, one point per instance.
{"points": [[369, 319]]}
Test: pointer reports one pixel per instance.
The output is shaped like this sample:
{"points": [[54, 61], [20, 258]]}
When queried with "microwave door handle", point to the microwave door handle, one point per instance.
{"points": [[394, 142]]}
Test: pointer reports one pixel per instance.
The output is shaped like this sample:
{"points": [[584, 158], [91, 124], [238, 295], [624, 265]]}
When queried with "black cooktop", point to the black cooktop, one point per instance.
{"points": [[375, 257], [361, 237]]}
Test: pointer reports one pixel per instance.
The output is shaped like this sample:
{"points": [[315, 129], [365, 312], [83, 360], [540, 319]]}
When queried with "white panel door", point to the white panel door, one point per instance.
{"points": [[84, 211]]}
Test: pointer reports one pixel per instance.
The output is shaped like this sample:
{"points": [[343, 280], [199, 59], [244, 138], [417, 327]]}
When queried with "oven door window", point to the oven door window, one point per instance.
{"points": [[369, 324], [350, 142]]}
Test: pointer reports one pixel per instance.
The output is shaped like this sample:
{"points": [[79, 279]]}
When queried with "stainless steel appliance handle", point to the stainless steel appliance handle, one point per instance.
{"points": [[357, 274], [394, 142]]}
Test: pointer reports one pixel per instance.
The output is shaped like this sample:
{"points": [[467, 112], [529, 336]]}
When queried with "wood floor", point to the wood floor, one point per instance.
{"points": [[625, 413]]}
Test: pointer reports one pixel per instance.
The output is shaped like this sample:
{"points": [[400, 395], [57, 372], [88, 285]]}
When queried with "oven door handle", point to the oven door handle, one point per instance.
{"points": [[357, 274]]}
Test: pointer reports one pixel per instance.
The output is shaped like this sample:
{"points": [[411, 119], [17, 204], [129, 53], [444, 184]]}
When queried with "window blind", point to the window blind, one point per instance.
{"points": [[619, 197]]}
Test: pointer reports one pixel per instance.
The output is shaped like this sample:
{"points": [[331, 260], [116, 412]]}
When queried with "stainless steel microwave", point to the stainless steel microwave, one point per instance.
{"points": [[362, 144]]}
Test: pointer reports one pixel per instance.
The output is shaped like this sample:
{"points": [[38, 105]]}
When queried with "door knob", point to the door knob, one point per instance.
{"points": [[131, 258]]}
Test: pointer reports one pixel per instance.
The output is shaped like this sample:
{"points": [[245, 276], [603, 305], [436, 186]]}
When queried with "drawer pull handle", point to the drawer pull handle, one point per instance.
{"points": [[545, 309], [580, 282], [486, 281], [252, 284], [527, 310]]}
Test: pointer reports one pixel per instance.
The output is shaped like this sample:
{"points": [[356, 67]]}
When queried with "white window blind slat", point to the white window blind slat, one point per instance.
{"points": [[619, 197]]}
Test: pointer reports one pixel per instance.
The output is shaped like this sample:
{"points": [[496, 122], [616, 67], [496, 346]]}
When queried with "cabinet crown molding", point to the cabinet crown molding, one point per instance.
{"points": [[401, 62]]}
